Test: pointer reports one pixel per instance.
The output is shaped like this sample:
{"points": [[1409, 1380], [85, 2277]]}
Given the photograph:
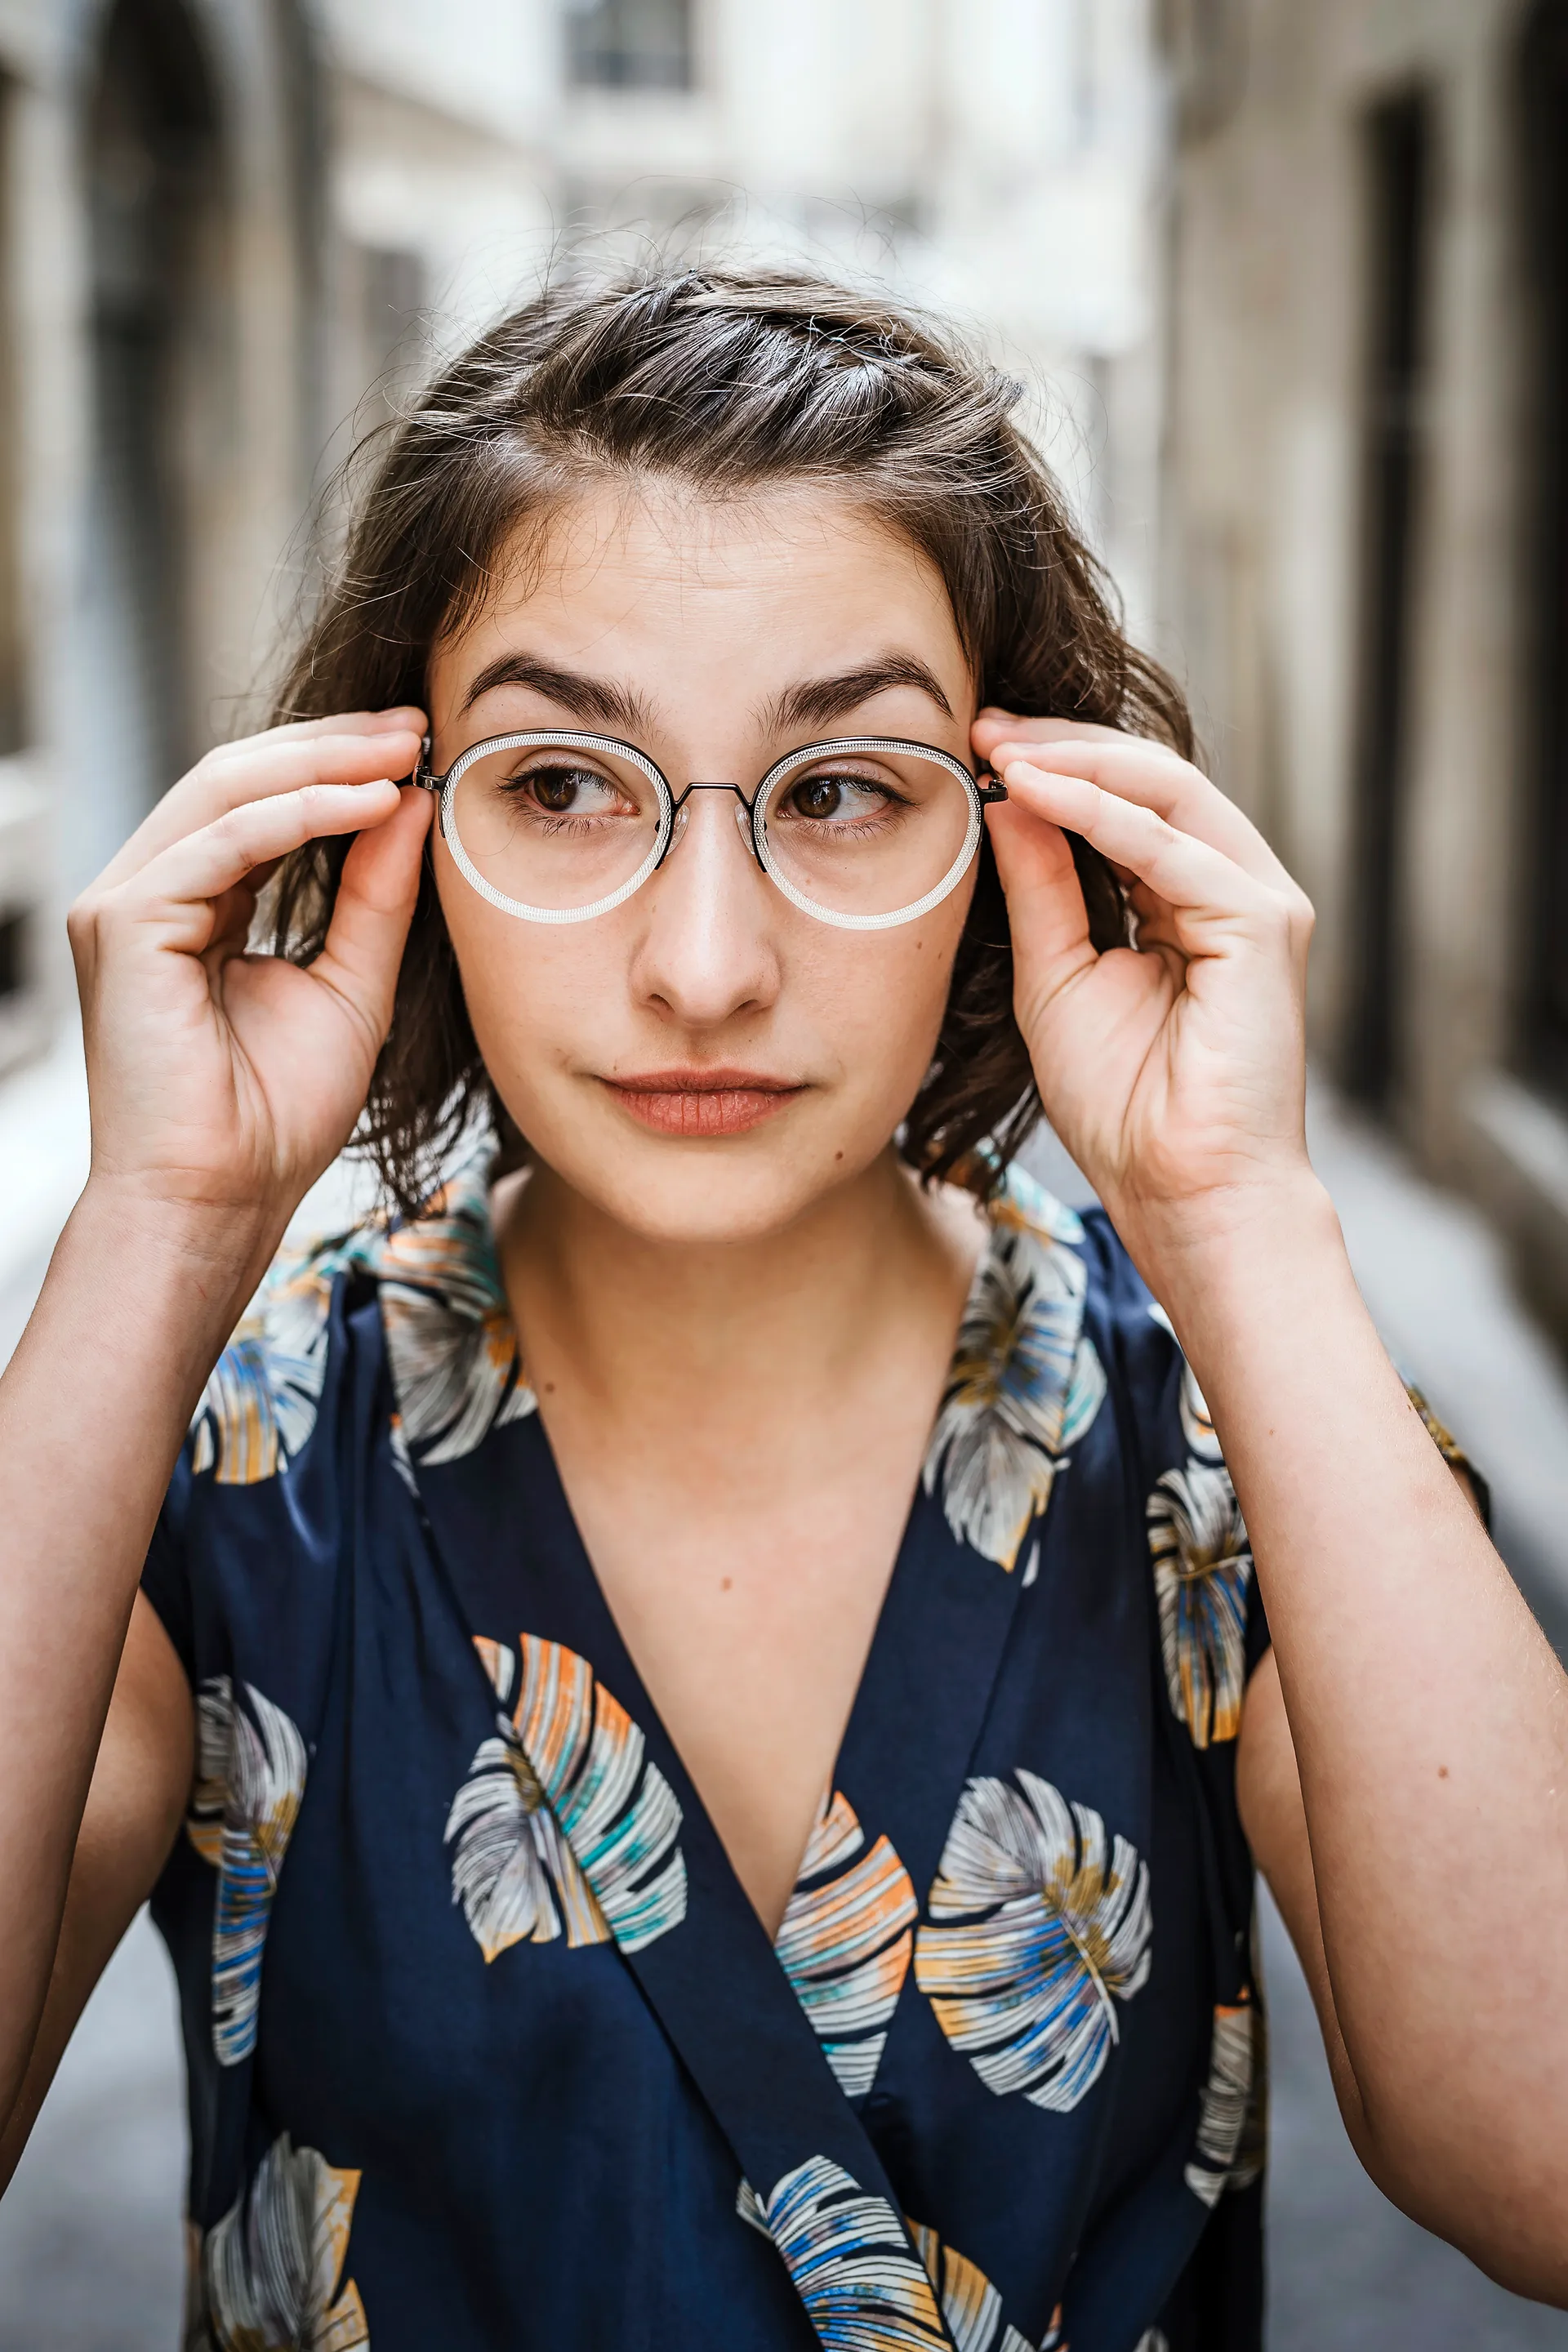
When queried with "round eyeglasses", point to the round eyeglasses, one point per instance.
{"points": [[559, 827]]}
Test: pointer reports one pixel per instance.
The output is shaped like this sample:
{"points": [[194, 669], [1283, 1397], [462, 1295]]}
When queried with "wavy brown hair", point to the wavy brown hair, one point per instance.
{"points": [[728, 380]]}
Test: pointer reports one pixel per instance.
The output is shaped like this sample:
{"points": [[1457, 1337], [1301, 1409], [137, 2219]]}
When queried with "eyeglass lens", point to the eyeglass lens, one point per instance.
{"points": [[554, 825], [859, 833], [867, 833]]}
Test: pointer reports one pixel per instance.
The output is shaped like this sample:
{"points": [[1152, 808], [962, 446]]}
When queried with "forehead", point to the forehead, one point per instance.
{"points": [[733, 595]]}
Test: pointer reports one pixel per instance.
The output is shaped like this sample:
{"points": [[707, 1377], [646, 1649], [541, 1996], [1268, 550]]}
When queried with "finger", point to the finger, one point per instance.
{"points": [[1178, 866], [1153, 918], [375, 906], [1156, 779], [1046, 912], [179, 890], [260, 772], [993, 726], [398, 719]]}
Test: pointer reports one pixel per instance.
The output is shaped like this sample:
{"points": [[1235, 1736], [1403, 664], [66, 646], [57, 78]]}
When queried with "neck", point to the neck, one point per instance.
{"points": [[645, 1325]]}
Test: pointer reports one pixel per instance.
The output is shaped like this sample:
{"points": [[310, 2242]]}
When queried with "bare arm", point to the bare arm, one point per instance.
{"points": [[221, 1084], [1421, 1855], [1427, 1720], [140, 1785], [92, 1410]]}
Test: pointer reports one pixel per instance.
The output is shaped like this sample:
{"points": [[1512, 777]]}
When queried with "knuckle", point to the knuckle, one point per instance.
{"points": [[231, 831], [82, 918], [1278, 915]]}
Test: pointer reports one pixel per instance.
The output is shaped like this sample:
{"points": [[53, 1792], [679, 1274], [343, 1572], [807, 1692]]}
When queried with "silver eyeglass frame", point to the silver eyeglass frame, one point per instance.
{"points": [[750, 816]]}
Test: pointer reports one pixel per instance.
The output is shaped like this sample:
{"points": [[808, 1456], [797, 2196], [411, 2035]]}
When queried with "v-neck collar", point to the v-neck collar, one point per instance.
{"points": [[783, 2039], [1022, 1384]]}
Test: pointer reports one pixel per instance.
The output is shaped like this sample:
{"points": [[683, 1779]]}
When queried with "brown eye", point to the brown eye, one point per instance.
{"points": [[556, 789], [818, 796]]}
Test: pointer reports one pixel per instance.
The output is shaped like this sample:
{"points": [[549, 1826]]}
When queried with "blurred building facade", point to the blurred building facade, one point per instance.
{"points": [[229, 226], [1365, 543]]}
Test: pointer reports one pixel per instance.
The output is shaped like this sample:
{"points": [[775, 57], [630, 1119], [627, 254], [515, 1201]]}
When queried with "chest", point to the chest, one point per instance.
{"points": [[748, 1591]]}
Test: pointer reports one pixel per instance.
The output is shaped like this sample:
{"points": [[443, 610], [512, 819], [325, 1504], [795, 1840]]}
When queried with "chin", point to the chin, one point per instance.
{"points": [[689, 1192]]}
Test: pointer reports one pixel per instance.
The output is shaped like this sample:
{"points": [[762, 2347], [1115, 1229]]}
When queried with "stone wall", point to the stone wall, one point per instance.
{"points": [[1371, 689]]}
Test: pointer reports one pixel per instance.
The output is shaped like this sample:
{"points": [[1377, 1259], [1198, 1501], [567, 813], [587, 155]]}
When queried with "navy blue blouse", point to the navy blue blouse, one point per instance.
{"points": [[486, 2044]]}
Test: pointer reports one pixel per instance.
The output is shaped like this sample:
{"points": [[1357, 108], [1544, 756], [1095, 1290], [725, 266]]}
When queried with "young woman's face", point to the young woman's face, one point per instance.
{"points": [[706, 1060]]}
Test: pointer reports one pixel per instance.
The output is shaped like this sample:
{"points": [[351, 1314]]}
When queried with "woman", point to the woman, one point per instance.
{"points": [[687, 1809]]}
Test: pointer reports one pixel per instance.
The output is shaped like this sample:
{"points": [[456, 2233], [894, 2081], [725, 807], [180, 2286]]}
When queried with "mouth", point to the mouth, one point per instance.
{"points": [[702, 1103]]}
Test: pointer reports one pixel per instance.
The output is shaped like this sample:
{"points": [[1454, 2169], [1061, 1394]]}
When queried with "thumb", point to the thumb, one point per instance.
{"points": [[373, 909]]}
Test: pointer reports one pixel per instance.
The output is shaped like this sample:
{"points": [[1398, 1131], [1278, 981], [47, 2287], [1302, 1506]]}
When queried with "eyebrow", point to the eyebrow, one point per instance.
{"points": [[819, 701], [603, 701], [607, 702]]}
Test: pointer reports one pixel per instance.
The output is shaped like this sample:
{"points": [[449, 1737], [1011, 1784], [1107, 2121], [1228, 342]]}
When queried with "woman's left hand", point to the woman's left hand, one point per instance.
{"points": [[1173, 1072]]}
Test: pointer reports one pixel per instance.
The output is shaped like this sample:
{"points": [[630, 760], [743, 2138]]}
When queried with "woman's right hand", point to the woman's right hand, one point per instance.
{"points": [[223, 1082]]}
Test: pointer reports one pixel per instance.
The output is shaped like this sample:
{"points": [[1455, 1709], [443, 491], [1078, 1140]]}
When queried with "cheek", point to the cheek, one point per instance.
{"points": [[527, 987], [882, 1003]]}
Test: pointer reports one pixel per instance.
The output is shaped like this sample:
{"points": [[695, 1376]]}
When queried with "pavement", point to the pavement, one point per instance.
{"points": [[89, 2234]]}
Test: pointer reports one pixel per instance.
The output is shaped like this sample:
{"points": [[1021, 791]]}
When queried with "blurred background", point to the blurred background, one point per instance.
{"points": [[1288, 281]]}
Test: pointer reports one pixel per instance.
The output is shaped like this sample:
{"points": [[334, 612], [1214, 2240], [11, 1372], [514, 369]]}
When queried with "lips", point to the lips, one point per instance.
{"points": [[702, 1103]]}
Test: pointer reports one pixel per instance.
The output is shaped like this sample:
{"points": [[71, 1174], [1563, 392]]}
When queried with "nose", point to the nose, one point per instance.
{"points": [[708, 949]]}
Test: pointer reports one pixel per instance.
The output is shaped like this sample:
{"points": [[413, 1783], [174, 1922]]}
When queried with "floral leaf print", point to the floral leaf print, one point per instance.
{"points": [[1197, 1425], [498, 1663], [451, 1346], [251, 1779], [1230, 2138], [1202, 1568], [272, 2267], [970, 2303], [563, 1811], [845, 1941], [1024, 1206], [1085, 1394], [209, 1796], [850, 2259], [1001, 1429], [513, 1872], [1054, 1929], [260, 1405], [450, 1340], [618, 1811]]}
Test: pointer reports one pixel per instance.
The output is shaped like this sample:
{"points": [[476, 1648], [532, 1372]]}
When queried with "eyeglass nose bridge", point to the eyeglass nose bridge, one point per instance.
{"points": [[745, 817]]}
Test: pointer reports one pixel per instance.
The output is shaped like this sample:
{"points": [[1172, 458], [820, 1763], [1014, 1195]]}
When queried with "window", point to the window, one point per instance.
{"points": [[1398, 164], [630, 44], [12, 622], [1205, 42], [14, 958], [156, 197], [1543, 89]]}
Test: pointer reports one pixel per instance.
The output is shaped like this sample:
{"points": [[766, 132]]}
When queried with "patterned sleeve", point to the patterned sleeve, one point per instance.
{"points": [[1214, 1627], [230, 1541]]}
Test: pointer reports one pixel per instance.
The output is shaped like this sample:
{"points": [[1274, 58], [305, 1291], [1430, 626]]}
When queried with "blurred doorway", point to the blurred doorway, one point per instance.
{"points": [[1398, 180], [1543, 147], [156, 186], [630, 44]]}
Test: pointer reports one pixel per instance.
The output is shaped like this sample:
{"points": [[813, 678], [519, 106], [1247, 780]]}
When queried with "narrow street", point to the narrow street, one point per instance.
{"points": [[90, 2252]]}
